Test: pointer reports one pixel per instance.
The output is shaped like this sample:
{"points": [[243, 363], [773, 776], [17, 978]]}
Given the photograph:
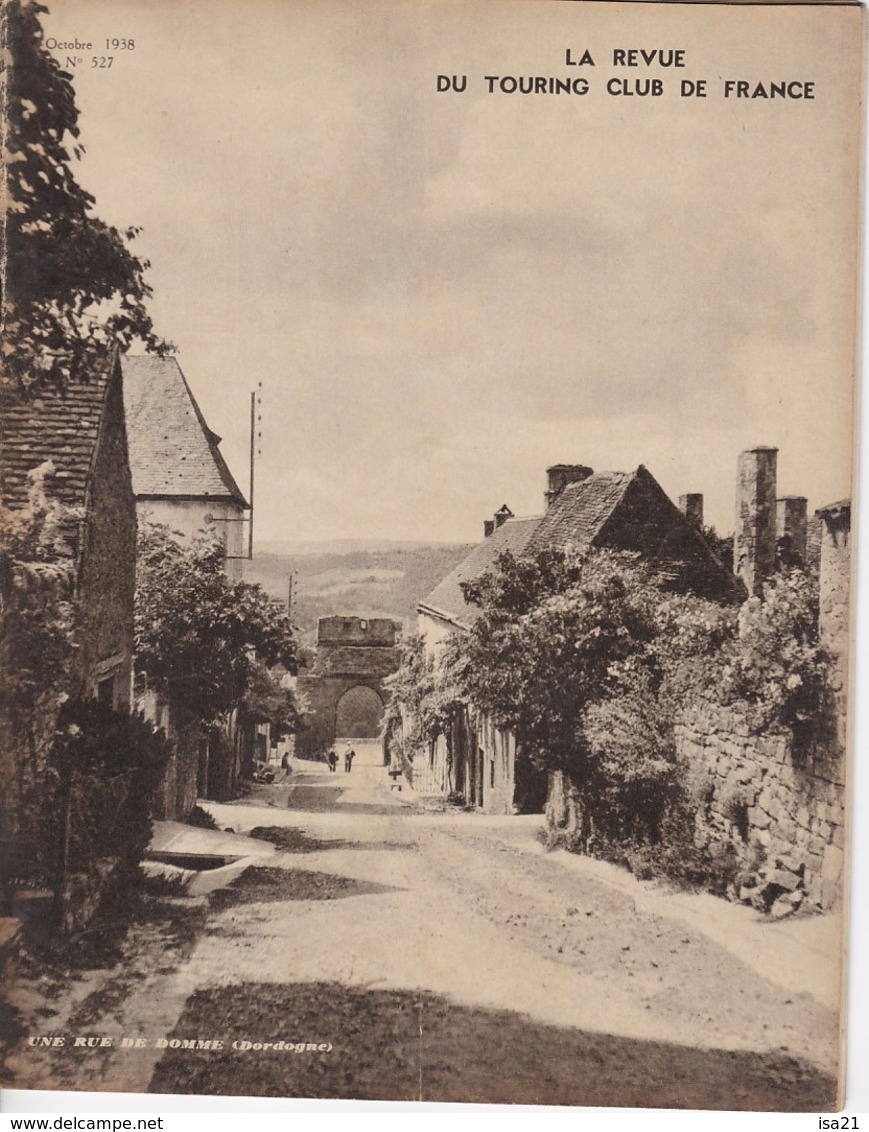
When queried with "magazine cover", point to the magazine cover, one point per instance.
{"points": [[426, 469]]}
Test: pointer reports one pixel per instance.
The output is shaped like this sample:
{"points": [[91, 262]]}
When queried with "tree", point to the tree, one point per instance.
{"points": [[267, 700], [71, 284], [556, 634], [37, 647], [587, 659], [200, 636]]}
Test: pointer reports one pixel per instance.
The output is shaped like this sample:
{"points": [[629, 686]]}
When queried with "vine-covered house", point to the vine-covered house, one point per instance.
{"points": [[181, 481], [68, 565], [621, 511]]}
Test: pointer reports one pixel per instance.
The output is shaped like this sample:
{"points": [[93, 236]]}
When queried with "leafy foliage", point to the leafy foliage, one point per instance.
{"points": [[36, 611], [71, 281], [558, 634], [266, 700], [423, 696], [775, 663], [104, 768], [201, 636]]}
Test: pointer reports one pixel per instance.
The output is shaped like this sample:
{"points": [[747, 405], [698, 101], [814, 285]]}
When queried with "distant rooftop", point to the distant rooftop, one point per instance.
{"points": [[447, 599]]}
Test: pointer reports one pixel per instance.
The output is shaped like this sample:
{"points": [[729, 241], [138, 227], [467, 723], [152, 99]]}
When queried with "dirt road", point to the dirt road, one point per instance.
{"points": [[388, 952]]}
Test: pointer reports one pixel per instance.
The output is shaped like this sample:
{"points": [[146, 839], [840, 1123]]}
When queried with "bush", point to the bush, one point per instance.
{"points": [[202, 819], [775, 663], [105, 766], [677, 857]]}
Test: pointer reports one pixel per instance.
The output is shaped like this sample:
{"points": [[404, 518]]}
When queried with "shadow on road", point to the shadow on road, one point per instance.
{"points": [[289, 839], [327, 798], [258, 885], [405, 1045]]}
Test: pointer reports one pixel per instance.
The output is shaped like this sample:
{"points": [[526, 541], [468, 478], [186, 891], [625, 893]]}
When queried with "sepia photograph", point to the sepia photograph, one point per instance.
{"points": [[428, 436]]}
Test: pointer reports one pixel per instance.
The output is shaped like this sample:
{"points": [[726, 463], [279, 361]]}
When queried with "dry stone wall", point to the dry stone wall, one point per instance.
{"points": [[781, 808]]}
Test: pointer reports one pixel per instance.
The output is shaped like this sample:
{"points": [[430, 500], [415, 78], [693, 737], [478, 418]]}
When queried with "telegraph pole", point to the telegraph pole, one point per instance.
{"points": [[255, 439]]}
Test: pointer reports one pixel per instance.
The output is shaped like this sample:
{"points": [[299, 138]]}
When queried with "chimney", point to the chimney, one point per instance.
{"points": [[791, 526], [488, 527], [691, 506], [560, 475], [502, 515], [754, 540]]}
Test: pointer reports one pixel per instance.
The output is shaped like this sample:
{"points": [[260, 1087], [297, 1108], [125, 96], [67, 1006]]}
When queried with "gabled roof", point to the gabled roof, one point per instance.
{"points": [[446, 600], [626, 511], [577, 517], [60, 424], [173, 452], [580, 512]]}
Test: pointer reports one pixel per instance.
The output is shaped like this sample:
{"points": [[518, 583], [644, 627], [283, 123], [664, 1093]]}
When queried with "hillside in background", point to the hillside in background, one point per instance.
{"points": [[370, 580]]}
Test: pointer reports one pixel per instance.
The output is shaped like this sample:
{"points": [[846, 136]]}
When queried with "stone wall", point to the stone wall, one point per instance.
{"points": [[834, 624], [106, 583], [782, 809], [176, 795], [322, 696]]}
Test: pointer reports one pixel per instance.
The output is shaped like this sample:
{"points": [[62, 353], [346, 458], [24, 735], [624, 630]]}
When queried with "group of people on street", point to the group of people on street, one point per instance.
{"points": [[349, 756]]}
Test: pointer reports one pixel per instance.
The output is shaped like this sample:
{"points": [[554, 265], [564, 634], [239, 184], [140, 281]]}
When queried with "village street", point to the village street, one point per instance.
{"points": [[448, 956]]}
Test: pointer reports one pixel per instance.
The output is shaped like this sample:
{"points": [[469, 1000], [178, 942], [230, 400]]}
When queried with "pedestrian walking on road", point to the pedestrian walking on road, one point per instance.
{"points": [[348, 759], [332, 759], [285, 765]]}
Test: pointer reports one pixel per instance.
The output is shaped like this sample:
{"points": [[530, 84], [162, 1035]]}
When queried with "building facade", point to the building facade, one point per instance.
{"points": [[68, 446], [344, 692], [181, 481], [477, 762]]}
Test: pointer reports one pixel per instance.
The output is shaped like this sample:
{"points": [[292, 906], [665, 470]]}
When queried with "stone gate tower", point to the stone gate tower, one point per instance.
{"points": [[344, 692]]}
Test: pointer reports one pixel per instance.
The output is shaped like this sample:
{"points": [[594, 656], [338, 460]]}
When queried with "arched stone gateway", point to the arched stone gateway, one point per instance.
{"points": [[359, 714], [344, 690]]}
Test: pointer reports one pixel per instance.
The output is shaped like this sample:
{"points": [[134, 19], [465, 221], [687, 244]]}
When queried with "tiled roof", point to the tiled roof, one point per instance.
{"points": [[447, 598], [843, 507], [173, 453], [580, 511], [620, 510], [57, 424]]}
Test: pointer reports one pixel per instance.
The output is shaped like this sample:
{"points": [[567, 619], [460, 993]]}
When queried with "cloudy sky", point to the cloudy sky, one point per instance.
{"points": [[444, 293]]}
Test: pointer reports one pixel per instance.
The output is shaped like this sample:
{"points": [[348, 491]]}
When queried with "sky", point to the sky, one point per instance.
{"points": [[444, 293]]}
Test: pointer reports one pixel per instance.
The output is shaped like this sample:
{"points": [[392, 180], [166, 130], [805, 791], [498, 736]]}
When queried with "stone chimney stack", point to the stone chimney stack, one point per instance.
{"points": [[691, 506], [488, 527], [791, 525], [502, 515], [560, 475], [754, 540]]}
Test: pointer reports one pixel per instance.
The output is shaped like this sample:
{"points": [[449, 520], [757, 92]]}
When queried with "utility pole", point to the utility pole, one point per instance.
{"points": [[255, 450]]}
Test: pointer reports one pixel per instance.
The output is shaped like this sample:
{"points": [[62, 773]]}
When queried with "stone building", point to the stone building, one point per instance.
{"points": [[344, 692], [73, 441], [181, 480], [180, 477], [621, 511]]}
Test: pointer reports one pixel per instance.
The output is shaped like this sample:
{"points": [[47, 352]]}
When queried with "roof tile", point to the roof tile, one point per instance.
{"points": [[579, 513], [36, 429], [447, 598], [173, 453]]}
